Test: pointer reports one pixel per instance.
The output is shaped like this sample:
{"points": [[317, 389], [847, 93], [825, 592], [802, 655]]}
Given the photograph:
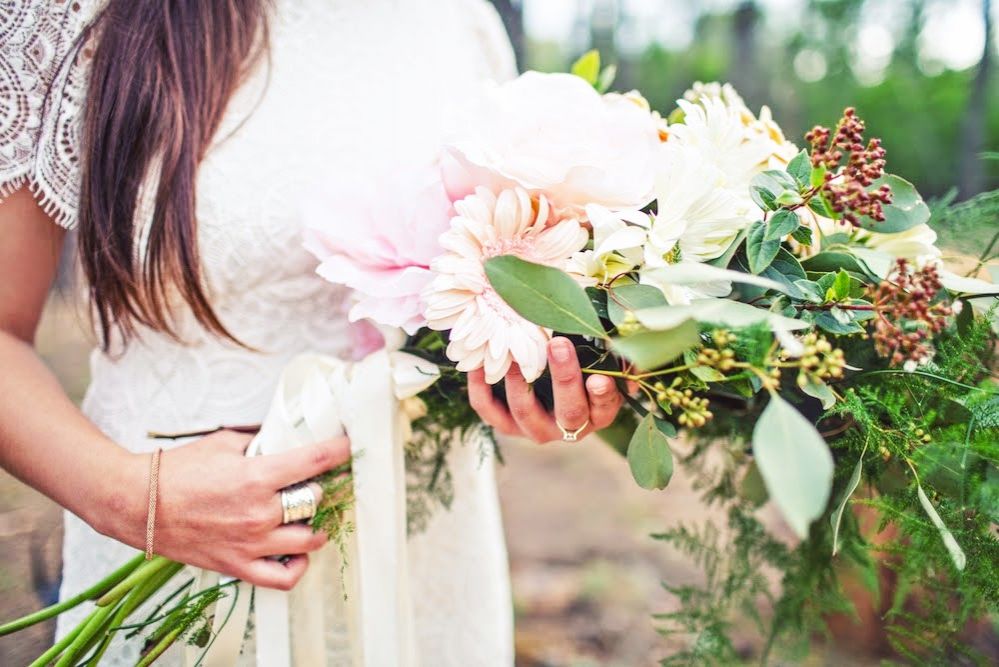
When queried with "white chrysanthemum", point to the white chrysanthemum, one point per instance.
{"points": [[717, 132], [484, 331], [763, 129], [618, 238], [697, 216]]}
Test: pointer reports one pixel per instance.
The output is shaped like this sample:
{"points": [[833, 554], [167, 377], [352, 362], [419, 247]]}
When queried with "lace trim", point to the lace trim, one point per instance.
{"points": [[43, 74]]}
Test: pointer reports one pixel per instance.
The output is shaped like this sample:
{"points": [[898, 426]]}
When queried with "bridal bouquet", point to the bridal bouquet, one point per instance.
{"points": [[786, 307]]}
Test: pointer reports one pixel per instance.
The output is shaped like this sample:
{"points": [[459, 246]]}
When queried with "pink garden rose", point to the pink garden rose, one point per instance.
{"points": [[377, 236], [553, 134]]}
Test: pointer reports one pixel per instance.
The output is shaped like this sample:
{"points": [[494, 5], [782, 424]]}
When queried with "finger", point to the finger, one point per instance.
{"points": [[280, 574], [277, 512], [605, 400], [290, 541], [491, 410], [302, 463], [572, 408], [527, 412]]}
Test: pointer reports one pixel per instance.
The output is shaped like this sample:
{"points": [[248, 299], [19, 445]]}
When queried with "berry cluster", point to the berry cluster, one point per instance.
{"points": [[846, 186], [820, 360], [693, 410], [907, 317]]}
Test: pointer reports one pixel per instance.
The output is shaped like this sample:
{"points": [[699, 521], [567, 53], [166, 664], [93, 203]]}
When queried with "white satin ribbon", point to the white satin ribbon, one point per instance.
{"points": [[319, 398]]}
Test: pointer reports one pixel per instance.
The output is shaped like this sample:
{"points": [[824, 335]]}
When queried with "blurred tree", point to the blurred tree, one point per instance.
{"points": [[744, 74], [512, 13], [972, 177]]}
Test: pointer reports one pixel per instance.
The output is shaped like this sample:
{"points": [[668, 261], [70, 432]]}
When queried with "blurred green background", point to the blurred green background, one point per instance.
{"points": [[920, 72]]}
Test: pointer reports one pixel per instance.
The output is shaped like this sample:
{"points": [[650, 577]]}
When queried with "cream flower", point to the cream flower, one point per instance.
{"points": [[484, 331], [618, 238], [553, 134], [697, 217]]}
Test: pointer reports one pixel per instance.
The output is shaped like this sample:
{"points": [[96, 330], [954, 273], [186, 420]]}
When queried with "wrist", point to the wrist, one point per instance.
{"points": [[116, 505]]}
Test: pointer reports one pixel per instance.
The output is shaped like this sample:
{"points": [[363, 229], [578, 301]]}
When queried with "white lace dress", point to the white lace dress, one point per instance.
{"points": [[349, 84]]}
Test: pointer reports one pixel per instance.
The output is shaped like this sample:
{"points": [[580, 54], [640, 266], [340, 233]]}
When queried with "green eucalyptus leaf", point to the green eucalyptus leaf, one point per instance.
{"points": [[833, 261], [820, 390], [829, 323], [703, 373], [880, 263], [649, 455], [618, 435], [851, 486], [543, 295], [953, 548], [802, 235], [629, 298], [721, 312], [800, 167], [907, 209], [723, 261], [794, 462], [588, 67], [760, 251], [780, 225], [649, 350]]}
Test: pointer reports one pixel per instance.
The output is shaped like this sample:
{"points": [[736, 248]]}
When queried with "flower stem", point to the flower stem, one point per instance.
{"points": [[135, 578], [57, 648], [161, 647], [97, 590]]}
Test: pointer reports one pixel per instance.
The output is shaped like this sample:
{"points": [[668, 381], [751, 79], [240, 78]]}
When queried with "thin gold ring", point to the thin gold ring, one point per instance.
{"points": [[571, 436]]}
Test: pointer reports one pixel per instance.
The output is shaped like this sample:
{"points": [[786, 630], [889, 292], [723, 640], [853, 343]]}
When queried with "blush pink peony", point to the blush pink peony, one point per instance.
{"points": [[553, 134], [378, 236]]}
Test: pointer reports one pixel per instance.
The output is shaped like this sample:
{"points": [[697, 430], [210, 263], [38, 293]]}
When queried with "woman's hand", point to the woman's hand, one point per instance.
{"points": [[221, 510], [590, 407]]}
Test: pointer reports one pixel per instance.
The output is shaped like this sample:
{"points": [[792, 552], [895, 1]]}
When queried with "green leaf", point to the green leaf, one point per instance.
{"points": [[829, 323], [840, 288], [811, 290], [819, 204], [851, 486], [588, 67], [751, 488], [831, 262], [780, 225], [766, 187], [953, 548], [629, 298], [606, 79], [759, 250], [907, 209], [649, 350], [795, 463], [802, 235], [800, 167], [649, 455], [722, 312], [618, 435], [543, 295], [786, 270], [820, 390], [817, 177], [703, 373]]}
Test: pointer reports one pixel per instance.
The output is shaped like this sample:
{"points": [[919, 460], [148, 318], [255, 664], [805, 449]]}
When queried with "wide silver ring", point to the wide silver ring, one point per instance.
{"points": [[298, 503], [571, 436]]}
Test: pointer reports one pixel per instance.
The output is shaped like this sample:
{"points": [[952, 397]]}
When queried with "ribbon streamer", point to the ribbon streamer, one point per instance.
{"points": [[319, 398]]}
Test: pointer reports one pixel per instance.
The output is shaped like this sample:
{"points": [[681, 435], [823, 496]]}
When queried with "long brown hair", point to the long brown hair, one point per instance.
{"points": [[162, 74]]}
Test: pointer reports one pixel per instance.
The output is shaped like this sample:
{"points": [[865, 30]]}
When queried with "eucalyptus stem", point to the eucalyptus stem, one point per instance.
{"points": [[97, 590]]}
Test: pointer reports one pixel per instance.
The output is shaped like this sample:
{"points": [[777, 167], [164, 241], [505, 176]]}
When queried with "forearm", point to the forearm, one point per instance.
{"points": [[46, 442]]}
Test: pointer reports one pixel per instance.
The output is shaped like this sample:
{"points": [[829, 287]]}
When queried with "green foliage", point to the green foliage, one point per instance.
{"points": [[543, 295], [649, 455]]}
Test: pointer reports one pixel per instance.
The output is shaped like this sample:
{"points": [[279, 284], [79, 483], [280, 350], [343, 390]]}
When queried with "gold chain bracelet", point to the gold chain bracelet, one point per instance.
{"points": [[154, 483]]}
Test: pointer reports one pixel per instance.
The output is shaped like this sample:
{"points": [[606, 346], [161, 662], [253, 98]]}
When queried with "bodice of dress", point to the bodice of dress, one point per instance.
{"points": [[346, 87]]}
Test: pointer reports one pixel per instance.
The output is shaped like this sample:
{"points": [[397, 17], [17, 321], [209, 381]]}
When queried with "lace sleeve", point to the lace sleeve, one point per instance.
{"points": [[42, 83], [496, 45]]}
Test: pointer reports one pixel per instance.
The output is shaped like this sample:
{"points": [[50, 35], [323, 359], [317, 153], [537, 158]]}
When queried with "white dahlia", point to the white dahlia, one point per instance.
{"points": [[484, 331]]}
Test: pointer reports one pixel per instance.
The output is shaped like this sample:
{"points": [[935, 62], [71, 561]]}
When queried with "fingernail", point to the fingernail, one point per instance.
{"points": [[600, 386], [561, 349]]}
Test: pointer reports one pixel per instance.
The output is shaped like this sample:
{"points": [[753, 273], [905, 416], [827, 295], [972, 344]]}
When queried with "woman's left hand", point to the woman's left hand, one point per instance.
{"points": [[580, 408]]}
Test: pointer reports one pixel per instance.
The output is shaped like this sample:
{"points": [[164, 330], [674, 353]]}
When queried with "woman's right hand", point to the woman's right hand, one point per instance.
{"points": [[221, 510]]}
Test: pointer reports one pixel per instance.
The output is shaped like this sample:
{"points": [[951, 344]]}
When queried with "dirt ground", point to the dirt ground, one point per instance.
{"points": [[586, 576]]}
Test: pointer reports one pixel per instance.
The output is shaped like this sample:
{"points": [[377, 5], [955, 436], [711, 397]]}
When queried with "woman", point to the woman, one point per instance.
{"points": [[177, 137]]}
